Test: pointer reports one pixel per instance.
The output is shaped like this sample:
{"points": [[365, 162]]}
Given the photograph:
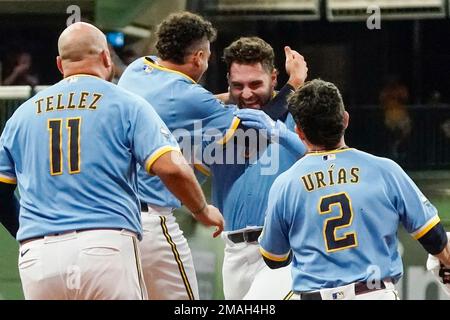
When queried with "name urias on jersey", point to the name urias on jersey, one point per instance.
{"points": [[84, 100], [320, 179]]}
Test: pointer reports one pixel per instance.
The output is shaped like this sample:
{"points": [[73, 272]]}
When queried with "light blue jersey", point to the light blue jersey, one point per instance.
{"points": [[73, 150], [188, 109], [240, 190], [339, 211]]}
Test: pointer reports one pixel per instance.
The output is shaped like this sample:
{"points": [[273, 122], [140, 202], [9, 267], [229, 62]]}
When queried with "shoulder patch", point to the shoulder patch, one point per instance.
{"points": [[329, 157], [423, 199], [165, 132], [148, 69], [72, 79]]}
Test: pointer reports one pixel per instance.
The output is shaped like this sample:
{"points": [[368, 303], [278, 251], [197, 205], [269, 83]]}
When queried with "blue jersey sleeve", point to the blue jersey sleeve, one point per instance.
{"points": [[7, 168], [274, 240], [216, 120], [150, 138], [416, 212]]}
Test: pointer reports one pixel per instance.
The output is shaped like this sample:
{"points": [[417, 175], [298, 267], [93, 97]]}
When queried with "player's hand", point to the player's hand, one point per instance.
{"points": [[211, 216], [444, 274], [259, 120], [296, 67], [440, 272]]}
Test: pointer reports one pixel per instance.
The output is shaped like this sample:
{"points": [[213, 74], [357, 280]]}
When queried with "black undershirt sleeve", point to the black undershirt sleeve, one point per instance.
{"points": [[277, 108], [9, 208], [435, 240], [278, 264]]}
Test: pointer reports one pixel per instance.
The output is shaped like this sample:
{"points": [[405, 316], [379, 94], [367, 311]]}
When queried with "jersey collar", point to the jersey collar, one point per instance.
{"points": [[150, 62], [320, 153]]}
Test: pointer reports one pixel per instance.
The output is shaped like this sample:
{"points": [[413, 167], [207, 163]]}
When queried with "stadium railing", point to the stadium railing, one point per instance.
{"points": [[11, 97], [426, 147]]}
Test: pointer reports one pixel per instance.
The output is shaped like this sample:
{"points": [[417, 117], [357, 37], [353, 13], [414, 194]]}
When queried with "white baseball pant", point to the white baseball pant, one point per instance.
{"points": [[271, 284], [243, 265], [82, 265], [167, 262]]}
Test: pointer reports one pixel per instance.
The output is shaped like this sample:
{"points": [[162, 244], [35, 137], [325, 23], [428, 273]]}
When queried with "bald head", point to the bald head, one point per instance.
{"points": [[80, 40], [83, 48]]}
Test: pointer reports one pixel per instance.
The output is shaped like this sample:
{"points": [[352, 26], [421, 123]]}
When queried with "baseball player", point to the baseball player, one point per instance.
{"points": [[169, 82], [336, 212], [73, 149], [241, 189]]}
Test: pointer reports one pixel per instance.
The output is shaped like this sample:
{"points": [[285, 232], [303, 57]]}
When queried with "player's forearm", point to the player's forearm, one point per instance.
{"points": [[288, 140], [295, 82], [185, 187], [180, 179], [291, 142]]}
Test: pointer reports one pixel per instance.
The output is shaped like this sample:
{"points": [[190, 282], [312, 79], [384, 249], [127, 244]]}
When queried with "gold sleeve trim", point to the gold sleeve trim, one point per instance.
{"points": [[158, 153]]}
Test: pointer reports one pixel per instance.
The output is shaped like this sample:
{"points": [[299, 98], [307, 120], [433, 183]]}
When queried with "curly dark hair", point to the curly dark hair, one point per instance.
{"points": [[318, 110], [249, 50], [179, 32]]}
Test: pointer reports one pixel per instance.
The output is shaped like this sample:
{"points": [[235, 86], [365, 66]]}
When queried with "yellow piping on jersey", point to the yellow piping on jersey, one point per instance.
{"points": [[427, 227], [230, 132], [157, 66], [289, 295], [320, 153], [177, 258], [8, 180], [204, 170], [272, 256], [158, 153]]}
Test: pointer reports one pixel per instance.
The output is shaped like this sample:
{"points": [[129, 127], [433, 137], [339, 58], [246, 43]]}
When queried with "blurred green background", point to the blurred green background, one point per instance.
{"points": [[417, 283]]}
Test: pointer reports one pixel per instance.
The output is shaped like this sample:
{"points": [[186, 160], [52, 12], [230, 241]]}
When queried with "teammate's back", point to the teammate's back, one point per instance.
{"points": [[337, 210], [352, 203], [82, 173]]}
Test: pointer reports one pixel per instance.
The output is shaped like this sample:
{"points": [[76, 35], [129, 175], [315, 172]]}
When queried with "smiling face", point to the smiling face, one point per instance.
{"points": [[251, 86]]}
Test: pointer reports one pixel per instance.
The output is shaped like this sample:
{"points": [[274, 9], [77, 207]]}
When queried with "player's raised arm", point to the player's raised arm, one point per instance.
{"points": [[296, 68], [180, 179]]}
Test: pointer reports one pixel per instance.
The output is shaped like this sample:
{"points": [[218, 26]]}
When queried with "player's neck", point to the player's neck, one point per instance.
{"points": [[183, 68], [315, 149]]}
